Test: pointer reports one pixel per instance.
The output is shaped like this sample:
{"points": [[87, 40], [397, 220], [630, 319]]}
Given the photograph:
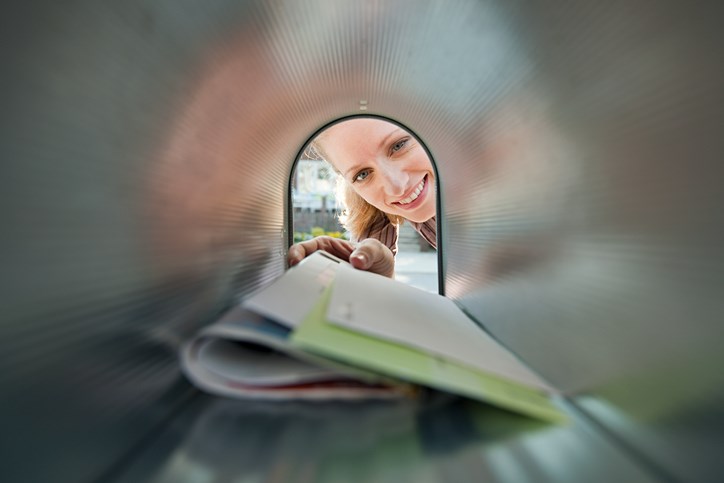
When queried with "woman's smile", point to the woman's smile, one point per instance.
{"points": [[415, 198]]}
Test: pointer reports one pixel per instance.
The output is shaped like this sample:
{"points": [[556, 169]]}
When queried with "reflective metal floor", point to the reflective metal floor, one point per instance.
{"points": [[441, 439]]}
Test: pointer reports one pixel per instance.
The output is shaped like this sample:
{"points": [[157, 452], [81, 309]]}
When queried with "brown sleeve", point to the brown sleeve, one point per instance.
{"points": [[383, 230]]}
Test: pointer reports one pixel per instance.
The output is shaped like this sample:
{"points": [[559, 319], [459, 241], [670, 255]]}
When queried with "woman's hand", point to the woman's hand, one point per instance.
{"points": [[370, 254]]}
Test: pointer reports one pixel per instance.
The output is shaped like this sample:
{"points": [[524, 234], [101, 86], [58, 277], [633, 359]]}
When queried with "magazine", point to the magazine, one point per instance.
{"points": [[247, 355]]}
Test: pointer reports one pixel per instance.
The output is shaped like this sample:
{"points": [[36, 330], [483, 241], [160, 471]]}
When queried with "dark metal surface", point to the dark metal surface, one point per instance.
{"points": [[441, 439], [146, 148]]}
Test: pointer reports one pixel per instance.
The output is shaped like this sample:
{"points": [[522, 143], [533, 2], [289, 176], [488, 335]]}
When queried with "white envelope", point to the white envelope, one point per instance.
{"points": [[290, 297], [385, 308]]}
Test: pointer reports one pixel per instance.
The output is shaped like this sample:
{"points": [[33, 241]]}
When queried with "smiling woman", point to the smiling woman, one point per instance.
{"points": [[385, 178]]}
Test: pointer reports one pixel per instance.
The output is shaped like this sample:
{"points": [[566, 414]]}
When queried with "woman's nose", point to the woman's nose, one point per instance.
{"points": [[396, 181]]}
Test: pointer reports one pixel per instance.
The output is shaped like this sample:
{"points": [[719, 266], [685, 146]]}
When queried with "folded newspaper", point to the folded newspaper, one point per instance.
{"points": [[324, 330]]}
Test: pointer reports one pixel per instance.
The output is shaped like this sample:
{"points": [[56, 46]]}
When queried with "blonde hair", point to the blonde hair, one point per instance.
{"points": [[356, 215]]}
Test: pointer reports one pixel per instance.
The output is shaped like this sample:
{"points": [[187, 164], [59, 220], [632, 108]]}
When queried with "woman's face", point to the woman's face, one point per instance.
{"points": [[385, 165]]}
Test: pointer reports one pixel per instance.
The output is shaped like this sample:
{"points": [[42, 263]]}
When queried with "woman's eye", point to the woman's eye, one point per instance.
{"points": [[362, 175], [399, 145]]}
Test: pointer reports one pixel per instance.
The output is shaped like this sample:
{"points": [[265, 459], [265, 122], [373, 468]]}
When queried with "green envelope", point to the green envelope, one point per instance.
{"points": [[316, 334]]}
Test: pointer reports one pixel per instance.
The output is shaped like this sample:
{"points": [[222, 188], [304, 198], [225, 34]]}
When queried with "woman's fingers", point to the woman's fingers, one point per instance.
{"points": [[373, 256], [296, 254], [336, 246], [370, 254]]}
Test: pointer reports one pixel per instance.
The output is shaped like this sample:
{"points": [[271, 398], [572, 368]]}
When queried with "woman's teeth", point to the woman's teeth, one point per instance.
{"points": [[414, 195]]}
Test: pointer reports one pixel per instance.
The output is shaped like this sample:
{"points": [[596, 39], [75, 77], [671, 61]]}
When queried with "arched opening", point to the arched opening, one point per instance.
{"points": [[370, 177]]}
